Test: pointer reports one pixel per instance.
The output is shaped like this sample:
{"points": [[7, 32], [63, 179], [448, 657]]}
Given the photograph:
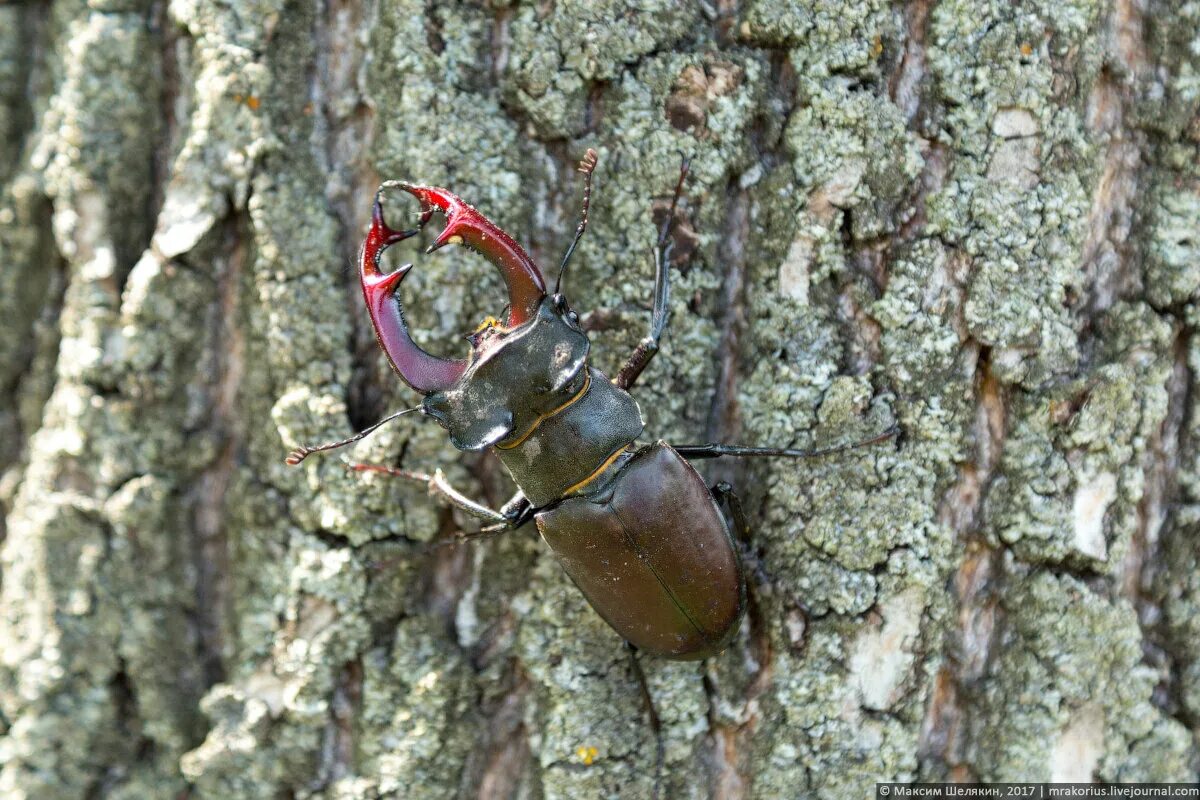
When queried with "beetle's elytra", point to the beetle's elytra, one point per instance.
{"points": [[634, 526]]}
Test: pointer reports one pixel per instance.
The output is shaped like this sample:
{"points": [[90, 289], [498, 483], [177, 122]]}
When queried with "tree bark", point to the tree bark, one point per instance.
{"points": [[981, 220]]}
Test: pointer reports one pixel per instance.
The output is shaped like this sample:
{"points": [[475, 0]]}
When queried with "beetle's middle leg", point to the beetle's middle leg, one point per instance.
{"points": [[762, 585], [725, 495], [716, 450], [648, 346]]}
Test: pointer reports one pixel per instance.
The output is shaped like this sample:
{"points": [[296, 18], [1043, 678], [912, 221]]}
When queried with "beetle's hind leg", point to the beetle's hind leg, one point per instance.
{"points": [[648, 346], [660, 752]]}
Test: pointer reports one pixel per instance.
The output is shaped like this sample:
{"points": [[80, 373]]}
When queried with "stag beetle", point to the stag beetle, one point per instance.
{"points": [[634, 526]]}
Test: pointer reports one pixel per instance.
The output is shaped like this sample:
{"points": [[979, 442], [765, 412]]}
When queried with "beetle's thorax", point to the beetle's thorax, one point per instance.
{"points": [[555, 422], [569, 449]]}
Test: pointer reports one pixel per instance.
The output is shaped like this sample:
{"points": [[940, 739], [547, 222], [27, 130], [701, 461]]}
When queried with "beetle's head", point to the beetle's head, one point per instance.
{"points": [[464, 225], [518, 367]]}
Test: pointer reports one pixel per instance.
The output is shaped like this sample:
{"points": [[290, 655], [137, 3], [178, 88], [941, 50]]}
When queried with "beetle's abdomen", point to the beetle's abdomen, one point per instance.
{"points": [[565, 448], [653, 555]]}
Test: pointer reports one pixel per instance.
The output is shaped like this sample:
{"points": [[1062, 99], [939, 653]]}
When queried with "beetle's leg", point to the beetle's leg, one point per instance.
{"points": [[587, 166], [714, 450], [724, 494], [648, 346], [304, 451], [518, 510], [652, 712], [486, 532], [439, 487], [761, 586]]}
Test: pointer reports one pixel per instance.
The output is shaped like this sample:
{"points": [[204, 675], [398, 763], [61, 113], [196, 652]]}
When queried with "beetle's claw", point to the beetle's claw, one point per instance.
{"points": [[389, 235], [380, 238], [385, 285], [462, 220], [421, 370], [466, 226]]}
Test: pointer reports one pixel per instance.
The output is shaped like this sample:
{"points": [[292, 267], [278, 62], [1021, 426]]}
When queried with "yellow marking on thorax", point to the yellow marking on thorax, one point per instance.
{"points": [[608, 462], [587, 384]]}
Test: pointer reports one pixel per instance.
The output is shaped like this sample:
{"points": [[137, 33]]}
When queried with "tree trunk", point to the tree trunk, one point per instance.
{"points": [[978, 219]]}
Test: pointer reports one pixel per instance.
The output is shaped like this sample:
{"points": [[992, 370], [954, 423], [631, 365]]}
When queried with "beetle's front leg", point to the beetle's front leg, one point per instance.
{"points": [[648, 346], [438, 486], [516, 512]]}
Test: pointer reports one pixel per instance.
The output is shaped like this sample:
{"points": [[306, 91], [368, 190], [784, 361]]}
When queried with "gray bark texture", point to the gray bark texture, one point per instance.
{"points": [[980, 219]]}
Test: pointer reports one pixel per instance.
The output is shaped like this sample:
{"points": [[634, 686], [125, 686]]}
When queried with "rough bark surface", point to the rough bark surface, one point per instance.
{"points": [[981, 219]]}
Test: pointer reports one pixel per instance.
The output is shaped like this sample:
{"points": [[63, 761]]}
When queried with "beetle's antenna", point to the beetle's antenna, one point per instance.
{"points": [[304, 451], [587, 166]]}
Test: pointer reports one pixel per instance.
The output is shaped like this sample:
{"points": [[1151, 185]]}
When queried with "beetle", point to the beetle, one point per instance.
{"points": [[633, 525]]}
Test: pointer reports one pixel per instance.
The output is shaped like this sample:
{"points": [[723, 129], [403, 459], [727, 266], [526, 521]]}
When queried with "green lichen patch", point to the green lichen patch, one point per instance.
{"points": [[1071, 483], [1056, 711]]}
